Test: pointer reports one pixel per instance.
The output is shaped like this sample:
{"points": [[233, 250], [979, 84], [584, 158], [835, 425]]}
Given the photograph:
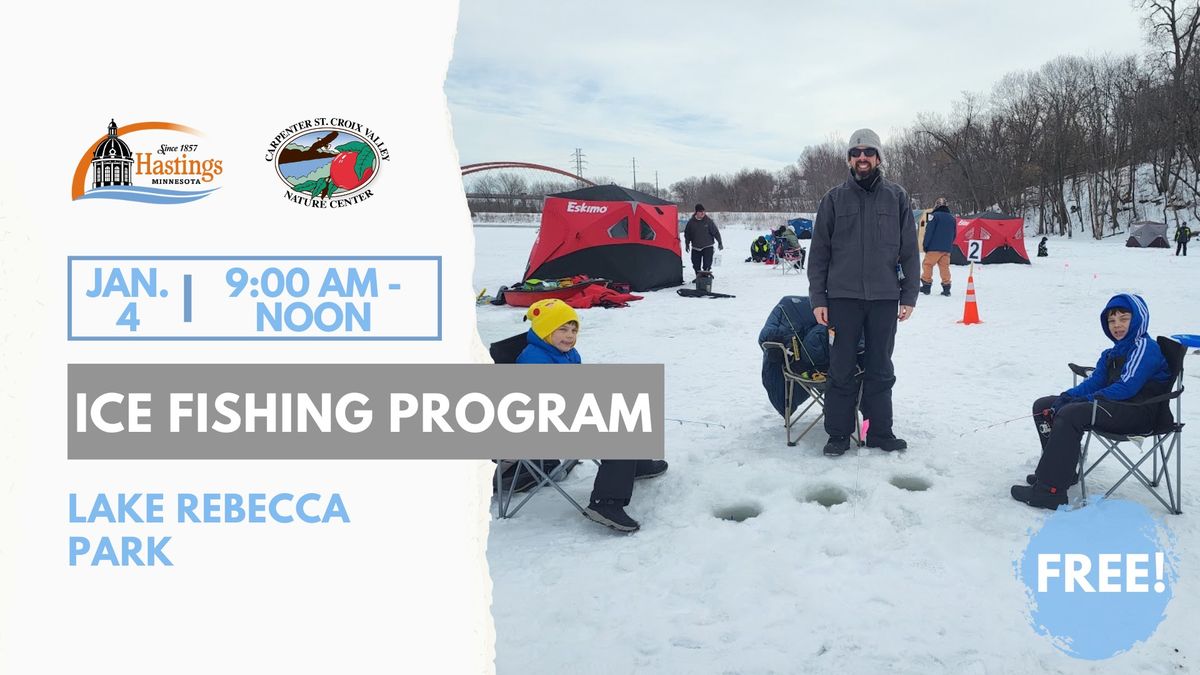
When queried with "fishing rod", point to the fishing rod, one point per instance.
{"points": [[1000, 424], [1045, 412], [682, 421]]}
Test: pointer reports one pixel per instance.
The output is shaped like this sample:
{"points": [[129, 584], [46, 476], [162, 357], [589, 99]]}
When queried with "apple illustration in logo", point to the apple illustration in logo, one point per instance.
{"points": [[341, 172]]}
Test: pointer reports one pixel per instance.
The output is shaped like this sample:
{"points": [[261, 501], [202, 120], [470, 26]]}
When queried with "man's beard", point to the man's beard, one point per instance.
{"points": [[863, 173]]}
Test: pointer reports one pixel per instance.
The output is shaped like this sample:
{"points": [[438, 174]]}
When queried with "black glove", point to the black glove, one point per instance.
{"points": [[1062, 400]]}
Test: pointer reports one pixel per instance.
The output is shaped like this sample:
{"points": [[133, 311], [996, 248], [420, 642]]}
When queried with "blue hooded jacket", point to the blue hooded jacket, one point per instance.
{"points": [[1138, 356], [540, 351]]}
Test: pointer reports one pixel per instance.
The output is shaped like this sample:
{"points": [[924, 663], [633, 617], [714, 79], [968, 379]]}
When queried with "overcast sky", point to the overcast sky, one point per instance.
{"points": [[699, 87]]}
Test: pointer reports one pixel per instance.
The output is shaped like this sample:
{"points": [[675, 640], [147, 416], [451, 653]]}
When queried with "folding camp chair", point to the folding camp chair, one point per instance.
{"points": [[814, 387], [790, 259], [507, 351], [504, 495], [1167, 433]]}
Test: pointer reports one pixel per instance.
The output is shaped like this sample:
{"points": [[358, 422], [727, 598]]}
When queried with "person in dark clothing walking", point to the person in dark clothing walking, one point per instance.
{"points": [[551, 339], [862, 279], [1182, 234], [1133, 369], [939, 239], [699, 236], [1043, 252]]}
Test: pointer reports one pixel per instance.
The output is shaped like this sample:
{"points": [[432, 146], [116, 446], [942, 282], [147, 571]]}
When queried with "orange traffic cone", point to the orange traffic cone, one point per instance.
{"points": [[970, 308]]}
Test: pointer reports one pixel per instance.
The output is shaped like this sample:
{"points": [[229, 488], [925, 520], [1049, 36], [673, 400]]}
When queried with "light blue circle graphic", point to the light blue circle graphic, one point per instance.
{"points": [[1098, 579]]}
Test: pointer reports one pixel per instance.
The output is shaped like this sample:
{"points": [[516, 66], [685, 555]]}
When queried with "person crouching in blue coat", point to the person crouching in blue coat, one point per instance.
{"points": [[1133, 369], [551, 340]]}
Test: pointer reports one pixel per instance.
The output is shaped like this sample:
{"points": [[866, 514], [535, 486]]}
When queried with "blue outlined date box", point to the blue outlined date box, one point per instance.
{"points": [[249, 298]]}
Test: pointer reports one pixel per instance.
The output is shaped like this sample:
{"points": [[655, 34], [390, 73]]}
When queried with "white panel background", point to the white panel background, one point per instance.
{"points": [[404, 587]]}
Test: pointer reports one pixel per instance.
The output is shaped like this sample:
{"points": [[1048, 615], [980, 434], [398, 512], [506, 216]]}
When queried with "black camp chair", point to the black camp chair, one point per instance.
{"points": [[813, 387], [1167, 434], [516, 471], [782, 340]]}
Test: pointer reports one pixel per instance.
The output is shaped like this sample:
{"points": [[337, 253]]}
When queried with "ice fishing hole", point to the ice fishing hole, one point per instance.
{"points": [[827, 496], [738, 512], [911, 483]]}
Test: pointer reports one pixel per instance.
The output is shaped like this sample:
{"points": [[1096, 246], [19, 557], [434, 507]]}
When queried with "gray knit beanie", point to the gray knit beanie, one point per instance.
{"points": [[865, 137]]}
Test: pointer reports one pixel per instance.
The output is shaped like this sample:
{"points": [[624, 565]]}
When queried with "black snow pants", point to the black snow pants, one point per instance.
{"points": [[875, 321], [1061, 435], [614, 480], [702, 258]]}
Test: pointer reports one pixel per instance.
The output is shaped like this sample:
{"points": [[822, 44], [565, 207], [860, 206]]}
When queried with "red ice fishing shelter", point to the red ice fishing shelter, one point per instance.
{"points": [[610, 232], [1003, 238]]}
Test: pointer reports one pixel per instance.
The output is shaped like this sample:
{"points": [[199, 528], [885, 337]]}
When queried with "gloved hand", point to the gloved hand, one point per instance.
{"points": [[1062, 400], [720, 247], [687, 248]]}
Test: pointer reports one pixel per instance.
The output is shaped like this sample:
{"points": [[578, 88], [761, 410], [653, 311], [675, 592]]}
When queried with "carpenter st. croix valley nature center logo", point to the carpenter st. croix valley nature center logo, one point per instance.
{"points": [[327, 162]]}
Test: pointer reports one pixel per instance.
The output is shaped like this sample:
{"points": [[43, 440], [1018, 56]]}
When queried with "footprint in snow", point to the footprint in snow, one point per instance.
{"points": [[686, 643]]}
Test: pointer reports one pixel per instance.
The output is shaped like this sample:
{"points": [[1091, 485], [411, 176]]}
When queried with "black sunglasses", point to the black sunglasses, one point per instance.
{"points": [[869, 152]]}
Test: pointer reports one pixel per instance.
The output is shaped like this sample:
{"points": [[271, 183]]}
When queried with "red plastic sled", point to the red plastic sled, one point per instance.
{"points": [[517, 298]]}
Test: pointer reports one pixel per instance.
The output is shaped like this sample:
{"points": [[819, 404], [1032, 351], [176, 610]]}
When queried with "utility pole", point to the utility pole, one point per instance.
{"points": [[578, 155], [656, 192], [635, 173]]}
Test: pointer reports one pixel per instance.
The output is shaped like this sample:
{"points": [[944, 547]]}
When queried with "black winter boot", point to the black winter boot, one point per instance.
{"points": [[837, 446], [946, 290], [650, 469], [1040, 496], [926, 287], [611, 514], [887, 443]]}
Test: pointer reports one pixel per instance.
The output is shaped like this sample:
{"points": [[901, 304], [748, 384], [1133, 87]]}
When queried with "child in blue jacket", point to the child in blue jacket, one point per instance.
{"points": [[1132, 370], [551, 339]]}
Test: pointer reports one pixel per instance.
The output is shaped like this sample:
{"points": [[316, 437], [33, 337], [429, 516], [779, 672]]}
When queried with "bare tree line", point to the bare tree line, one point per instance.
{"points": [[1063, 142]]}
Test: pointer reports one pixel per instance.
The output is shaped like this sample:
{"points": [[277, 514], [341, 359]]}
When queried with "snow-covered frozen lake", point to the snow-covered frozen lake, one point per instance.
{"points": [[868, 563]]}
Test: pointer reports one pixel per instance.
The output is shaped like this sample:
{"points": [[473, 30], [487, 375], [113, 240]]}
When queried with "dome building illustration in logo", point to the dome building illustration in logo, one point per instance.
{"points": [[148, 162], [112, 161]]}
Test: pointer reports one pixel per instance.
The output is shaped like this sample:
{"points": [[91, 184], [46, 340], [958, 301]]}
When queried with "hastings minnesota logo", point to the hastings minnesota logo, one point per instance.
{"points": [[327, 162], [149, 162]]}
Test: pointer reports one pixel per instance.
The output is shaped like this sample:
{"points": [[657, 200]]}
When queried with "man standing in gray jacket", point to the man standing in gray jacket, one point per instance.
{"points": [[862, 279], [699, 236]]}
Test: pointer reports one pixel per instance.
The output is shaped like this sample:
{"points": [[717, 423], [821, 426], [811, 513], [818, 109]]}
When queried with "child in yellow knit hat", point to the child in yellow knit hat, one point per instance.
{"points": [[555, 329], [553, 335]]}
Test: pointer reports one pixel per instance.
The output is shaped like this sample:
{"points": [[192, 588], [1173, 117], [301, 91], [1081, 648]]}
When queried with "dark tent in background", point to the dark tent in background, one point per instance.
{"points": [[1003, 238], [1147, 234], [802, 226], [609, 232]]}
